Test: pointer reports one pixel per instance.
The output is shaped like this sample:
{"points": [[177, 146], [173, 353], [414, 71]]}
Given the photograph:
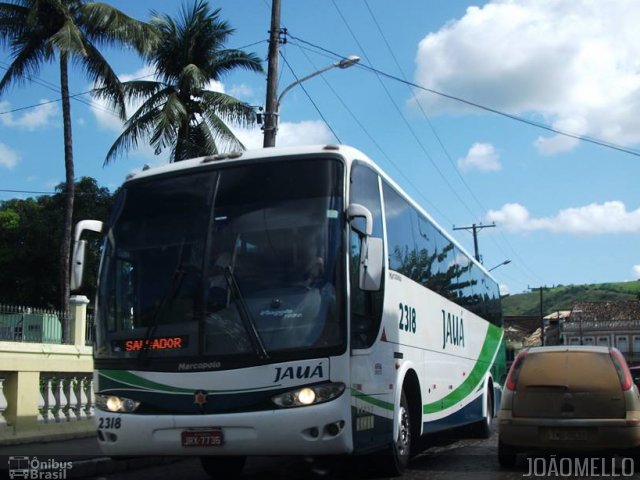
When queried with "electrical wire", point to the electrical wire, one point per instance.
{"points": [[311, 100], [444, 149], [543, 126]]}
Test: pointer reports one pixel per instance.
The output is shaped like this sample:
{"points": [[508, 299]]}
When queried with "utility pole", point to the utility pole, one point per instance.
{"points": [[541, 288], [271, 106], [474, 230]]}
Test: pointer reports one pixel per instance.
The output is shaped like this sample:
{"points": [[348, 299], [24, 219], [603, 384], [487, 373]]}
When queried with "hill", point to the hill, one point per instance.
{"points": [[563, 297]]}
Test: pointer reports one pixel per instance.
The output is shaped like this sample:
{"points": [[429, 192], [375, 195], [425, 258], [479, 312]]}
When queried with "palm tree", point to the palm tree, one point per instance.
{"points": [[179, 110], [38, 31]]}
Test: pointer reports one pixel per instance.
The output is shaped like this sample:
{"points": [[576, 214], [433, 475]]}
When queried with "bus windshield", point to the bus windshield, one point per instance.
{"points": [[240, 261]]}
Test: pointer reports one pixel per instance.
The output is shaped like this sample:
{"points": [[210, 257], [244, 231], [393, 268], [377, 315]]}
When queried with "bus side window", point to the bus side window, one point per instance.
{"points": [[366, 307]]}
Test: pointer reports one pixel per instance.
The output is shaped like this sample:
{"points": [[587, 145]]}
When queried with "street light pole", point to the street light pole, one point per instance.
{"points": [[273, 110], [506, 262]]}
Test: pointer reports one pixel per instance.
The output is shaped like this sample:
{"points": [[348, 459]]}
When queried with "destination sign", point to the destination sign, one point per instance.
{"points": [[158, 343]]}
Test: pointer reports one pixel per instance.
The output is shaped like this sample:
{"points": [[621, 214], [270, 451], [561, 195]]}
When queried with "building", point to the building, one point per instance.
{"points": [[615, 324]]}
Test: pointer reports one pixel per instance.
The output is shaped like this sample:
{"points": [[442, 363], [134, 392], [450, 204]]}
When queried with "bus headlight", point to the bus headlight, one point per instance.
{"points": [[112, 403], [312, 395]]}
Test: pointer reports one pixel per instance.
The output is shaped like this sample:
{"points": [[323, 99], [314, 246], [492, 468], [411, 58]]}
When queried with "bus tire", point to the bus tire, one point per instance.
{"points": [[223, 467], [400, 448], [482, 429]]}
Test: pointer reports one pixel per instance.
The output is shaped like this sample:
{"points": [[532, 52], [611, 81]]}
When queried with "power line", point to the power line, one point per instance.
{"points": [[27, 191], [402, 116], [374, 141], [51, 86], [543, 126], [521, 263], [441, 143], [311, 99]]}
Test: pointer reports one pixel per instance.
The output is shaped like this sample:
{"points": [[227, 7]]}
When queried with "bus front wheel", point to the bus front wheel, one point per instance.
{"points": [[401, 446], [223, 467]]}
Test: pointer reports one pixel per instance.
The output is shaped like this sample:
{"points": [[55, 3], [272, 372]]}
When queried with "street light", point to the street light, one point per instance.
{"points": [[271, 118], [499, 265]]}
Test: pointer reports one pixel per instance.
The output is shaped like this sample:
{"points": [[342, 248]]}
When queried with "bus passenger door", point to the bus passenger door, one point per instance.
{"points": [[372, 364]]}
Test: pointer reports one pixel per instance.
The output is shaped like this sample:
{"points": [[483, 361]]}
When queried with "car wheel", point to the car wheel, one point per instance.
{"points": [[507, 454], [223, 467]]}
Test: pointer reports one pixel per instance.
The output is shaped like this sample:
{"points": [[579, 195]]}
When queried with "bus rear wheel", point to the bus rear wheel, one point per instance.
{"points": [[223, 467], [482, 429]]}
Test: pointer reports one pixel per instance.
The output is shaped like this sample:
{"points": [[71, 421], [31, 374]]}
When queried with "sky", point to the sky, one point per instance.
{"points": [[474, 141]]}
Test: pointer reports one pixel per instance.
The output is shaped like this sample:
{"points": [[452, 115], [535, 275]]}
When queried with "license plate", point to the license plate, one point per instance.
{"points": [[202, 438], [567, 435]]}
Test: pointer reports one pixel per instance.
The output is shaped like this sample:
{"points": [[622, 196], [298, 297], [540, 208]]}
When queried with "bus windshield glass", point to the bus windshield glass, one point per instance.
{"points": [[238, 261]]}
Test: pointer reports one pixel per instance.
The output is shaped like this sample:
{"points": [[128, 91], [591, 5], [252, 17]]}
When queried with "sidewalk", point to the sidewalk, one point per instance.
{"points": [[84, 454]]}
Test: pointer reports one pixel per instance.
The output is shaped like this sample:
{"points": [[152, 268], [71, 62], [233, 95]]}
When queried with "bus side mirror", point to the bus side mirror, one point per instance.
{"points": [[77, 264], [371, 264], [356, 211], [79, 249]]}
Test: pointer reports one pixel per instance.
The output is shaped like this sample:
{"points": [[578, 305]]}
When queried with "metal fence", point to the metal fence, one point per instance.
{"points": [[26, 324]]}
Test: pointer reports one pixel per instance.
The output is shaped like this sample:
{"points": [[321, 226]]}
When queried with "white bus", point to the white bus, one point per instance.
{"points": [[286, 301]]}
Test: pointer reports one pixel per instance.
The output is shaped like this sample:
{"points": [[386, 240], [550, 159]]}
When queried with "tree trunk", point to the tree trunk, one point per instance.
{"points": [[65, 248]]}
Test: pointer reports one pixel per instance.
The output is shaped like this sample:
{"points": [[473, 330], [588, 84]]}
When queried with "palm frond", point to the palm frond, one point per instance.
{"points": [[228, 108], [26, 63], [13, 19], [172, 116], [225, 139], [131, 135], [108, 83], [191, 79], [69, 39], [228, 60], [107, 25]]}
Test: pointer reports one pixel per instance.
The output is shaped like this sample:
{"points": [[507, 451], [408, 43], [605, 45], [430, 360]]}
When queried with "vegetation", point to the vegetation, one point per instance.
{"points": [[38, 32], [564, 297], [180, 111], [30, 234]]}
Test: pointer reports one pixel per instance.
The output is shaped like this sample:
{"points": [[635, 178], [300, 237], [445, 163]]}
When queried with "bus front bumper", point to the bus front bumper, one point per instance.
{"points": [[322, 429]]}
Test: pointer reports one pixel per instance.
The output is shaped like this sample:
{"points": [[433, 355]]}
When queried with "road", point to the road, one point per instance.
{"points": [[441, 459], [450, 459]]}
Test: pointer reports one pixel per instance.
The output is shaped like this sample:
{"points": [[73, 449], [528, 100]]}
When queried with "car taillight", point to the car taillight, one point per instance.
{"points": [[626, 382], [514, 372]]}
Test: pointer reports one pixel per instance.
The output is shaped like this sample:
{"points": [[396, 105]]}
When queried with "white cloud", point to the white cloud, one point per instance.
{"points": [[241, 91], [576, 63], [311, 132], [215, 86], [504, 290], [8, 157], [593, 219], [481, 156], [636, 271], [31, 119]]}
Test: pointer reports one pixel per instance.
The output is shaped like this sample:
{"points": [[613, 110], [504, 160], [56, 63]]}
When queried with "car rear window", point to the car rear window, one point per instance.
{"points": [[578, 371]]}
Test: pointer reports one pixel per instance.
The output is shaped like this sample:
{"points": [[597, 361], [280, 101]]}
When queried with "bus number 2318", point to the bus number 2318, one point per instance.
{"points": [[407, 318]]}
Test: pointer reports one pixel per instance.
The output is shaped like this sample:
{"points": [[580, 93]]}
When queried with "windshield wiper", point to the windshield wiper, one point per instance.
{"points": [[245, 314], [176, 282]]}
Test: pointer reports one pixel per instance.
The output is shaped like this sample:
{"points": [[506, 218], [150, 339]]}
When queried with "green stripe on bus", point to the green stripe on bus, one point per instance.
{"points": [[132, 380], [491, 343], [371, 400], [128, 379]]}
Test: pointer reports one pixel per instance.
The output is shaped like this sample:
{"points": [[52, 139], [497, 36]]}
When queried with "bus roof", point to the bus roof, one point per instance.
{"points": [[349, 154]]}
